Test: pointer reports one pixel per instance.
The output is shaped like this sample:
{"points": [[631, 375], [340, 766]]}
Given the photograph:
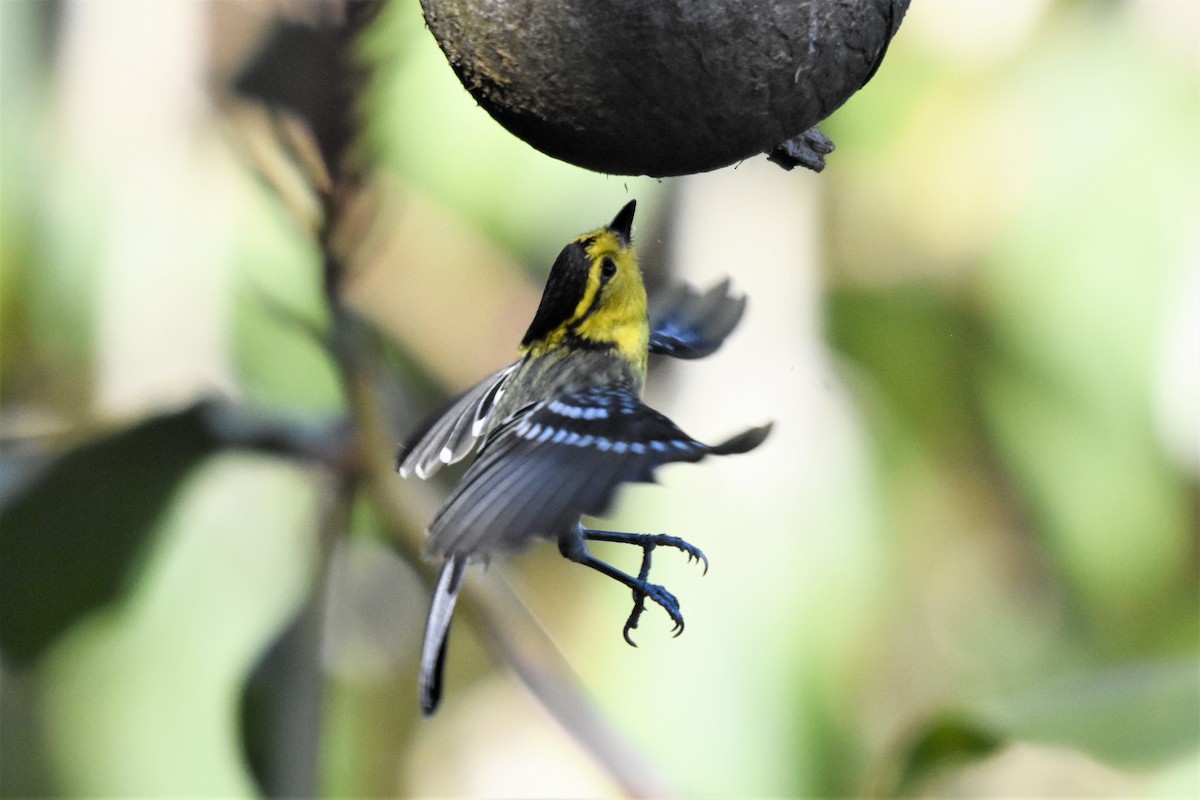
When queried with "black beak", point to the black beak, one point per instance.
{"points": [[622, 224]]}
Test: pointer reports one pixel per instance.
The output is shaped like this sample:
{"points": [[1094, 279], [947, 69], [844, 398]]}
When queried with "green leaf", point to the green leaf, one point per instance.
{"points": [[68, 541], [1130, 716], [946, 742], [1133, 715], [281, 709], [70, 538]]}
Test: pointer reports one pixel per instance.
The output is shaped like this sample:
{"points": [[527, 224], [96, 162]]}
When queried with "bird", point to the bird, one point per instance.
{"points": [[562, 427]]}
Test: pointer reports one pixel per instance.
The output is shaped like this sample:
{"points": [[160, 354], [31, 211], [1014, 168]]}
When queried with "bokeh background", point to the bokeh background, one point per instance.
{"points": [[965, 562]]}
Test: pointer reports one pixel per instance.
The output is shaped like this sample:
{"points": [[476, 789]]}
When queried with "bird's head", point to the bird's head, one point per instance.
{"points": [[594, 297]]}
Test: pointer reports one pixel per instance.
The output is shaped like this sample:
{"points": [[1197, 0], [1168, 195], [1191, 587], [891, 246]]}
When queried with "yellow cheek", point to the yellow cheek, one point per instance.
{"points": [[589, 294], [621, 319]]}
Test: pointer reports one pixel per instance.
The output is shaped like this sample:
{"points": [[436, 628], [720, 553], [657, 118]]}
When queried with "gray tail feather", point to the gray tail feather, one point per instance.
{"points": [[437, 630]]}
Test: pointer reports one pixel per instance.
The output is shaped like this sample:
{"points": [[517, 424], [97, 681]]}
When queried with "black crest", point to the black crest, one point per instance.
{"points": [[622, 224]]}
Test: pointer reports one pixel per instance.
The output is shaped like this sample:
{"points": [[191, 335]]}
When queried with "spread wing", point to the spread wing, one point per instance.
{"points": [[453, 433], [554, 461], [686, 323]]}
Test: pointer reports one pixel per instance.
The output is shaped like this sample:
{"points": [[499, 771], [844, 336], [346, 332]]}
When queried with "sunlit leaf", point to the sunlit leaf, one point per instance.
{"points": [[946, 742], [70, 538], [67, 543], [1134, 715]]}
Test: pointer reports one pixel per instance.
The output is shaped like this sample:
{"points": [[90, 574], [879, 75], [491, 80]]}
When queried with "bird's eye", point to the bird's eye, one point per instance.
{"points": [[608, 268]]}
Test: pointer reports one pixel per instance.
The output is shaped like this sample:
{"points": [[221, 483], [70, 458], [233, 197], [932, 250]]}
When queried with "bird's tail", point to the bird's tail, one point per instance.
{"points": [[437, 630]]}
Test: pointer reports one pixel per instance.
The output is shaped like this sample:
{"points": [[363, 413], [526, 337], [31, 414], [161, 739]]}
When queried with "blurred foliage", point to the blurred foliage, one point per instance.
{"points": [[943, 744], [973, 568], [1134, 715], [70, 541]]}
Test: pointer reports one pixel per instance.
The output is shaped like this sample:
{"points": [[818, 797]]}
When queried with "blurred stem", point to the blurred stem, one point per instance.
{"points": [[512, 632], [490, 607]]}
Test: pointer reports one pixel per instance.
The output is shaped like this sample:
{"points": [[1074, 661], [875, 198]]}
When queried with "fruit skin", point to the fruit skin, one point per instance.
{"points": [[661, 87]]}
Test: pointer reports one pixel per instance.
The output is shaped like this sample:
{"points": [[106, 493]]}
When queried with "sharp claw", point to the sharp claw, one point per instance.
{"points": [[642, 588], [639, 605], [659, 595], [693, 553]]}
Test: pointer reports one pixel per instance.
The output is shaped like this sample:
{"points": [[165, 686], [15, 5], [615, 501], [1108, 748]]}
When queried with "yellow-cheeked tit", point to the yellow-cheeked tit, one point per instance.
{"points": [[562, 427]]}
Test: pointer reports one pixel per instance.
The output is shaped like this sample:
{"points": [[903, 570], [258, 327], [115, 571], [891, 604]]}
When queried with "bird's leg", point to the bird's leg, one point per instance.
{"points": [[648, 541], [574, 547], [639, 598]]}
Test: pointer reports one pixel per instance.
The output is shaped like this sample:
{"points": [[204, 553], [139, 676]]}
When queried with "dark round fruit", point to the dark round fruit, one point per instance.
{"points": [[661, 87]]}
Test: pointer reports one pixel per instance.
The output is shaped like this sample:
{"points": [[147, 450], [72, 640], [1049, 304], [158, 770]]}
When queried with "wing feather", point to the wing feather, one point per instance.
{"points": [[454, 432], [558, 460], [685, 323]]}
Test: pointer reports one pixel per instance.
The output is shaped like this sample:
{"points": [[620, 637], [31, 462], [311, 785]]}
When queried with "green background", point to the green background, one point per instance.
{"points": [[965, 562]]}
